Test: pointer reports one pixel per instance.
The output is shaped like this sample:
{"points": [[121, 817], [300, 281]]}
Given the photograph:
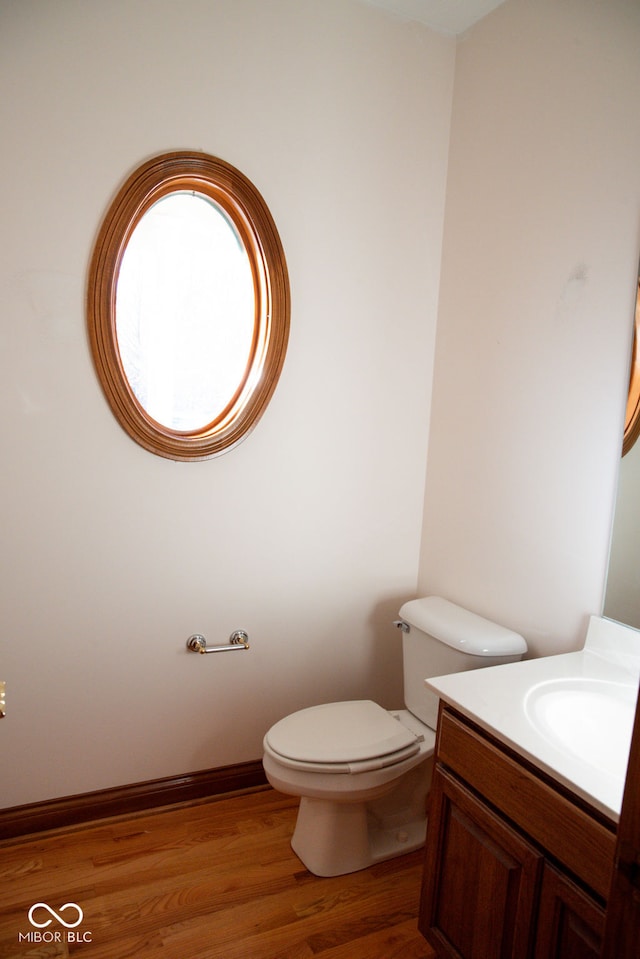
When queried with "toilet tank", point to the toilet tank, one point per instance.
{"points": [[440, 637]]}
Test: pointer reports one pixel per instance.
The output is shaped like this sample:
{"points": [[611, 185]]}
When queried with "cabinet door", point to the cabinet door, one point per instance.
{"points": [[481, 878], [570, 923], [623, 909]]}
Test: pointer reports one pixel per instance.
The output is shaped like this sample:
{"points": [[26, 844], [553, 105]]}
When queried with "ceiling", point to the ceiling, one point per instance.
{"points": [[446, 16]]}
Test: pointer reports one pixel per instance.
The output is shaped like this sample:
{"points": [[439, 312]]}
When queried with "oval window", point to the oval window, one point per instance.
{"points": [[188, 306]]}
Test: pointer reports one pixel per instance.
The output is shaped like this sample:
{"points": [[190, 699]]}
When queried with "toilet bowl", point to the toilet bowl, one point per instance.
{"points": [[363, 772], [343, 760]]}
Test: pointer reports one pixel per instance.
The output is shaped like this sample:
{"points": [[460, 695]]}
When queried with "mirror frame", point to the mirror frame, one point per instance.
{"points": [[231, 190], [632, 417]]}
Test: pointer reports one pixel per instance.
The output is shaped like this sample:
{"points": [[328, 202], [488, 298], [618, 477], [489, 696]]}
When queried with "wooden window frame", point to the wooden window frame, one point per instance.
{"points": [[632, 418], [229, 188]]}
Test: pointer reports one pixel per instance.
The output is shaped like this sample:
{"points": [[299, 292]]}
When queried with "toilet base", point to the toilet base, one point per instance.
{"points": [[334, 838]]}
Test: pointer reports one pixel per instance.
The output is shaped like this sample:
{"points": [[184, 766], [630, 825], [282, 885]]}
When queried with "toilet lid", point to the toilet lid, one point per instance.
{"points": [[339, 733]]}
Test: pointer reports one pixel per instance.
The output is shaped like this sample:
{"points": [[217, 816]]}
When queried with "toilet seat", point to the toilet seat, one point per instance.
{"points": [[347, 737]]}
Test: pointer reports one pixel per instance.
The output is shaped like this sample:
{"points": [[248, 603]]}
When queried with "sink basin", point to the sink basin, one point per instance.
{"points": [[590, 720]]}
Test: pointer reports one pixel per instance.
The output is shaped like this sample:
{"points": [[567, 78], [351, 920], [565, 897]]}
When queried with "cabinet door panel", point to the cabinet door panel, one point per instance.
{"points": [[570, 923], [480, 878]]}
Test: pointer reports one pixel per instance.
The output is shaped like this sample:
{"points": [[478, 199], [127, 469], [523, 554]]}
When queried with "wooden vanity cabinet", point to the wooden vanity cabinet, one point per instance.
{"points": [[514, 867]]}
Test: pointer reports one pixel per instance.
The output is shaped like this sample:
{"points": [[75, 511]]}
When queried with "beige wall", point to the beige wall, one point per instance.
{"points": [[307, 535], [538, 276]]}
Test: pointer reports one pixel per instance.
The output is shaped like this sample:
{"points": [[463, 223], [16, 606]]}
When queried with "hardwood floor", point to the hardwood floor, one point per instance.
{"points": [[209, 880]]}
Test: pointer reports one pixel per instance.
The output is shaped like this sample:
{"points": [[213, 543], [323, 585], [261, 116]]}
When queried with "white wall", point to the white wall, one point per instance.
{"points": [[537, 291], [308, 534]]}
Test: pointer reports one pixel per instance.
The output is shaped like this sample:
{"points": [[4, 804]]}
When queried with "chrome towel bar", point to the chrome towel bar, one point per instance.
{"points": [[238, 640]]}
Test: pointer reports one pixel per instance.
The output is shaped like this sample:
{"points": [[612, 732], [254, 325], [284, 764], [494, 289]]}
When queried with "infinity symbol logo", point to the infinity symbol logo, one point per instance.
{"points": [[56, 915]]}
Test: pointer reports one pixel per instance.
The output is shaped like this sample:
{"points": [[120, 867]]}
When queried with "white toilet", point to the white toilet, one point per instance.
{"points": [[362, 772]]}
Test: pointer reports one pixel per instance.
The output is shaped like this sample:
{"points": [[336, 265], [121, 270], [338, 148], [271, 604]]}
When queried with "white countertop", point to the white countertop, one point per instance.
{"points": [[571, 715]]}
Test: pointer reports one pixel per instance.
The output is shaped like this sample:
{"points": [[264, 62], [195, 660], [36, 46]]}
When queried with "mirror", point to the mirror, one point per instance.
{"points": [[188, 306], [622, 600]]}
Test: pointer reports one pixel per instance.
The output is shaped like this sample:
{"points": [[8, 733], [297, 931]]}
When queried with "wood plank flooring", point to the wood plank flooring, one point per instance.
{"points": [[208, 880]]}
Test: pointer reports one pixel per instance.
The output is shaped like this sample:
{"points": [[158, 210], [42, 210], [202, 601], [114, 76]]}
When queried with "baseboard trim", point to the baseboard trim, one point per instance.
{"points": [[122, 800]]}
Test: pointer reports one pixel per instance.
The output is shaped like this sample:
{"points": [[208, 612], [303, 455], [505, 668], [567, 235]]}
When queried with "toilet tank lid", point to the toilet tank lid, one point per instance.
{"points": [[460, 628]]}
